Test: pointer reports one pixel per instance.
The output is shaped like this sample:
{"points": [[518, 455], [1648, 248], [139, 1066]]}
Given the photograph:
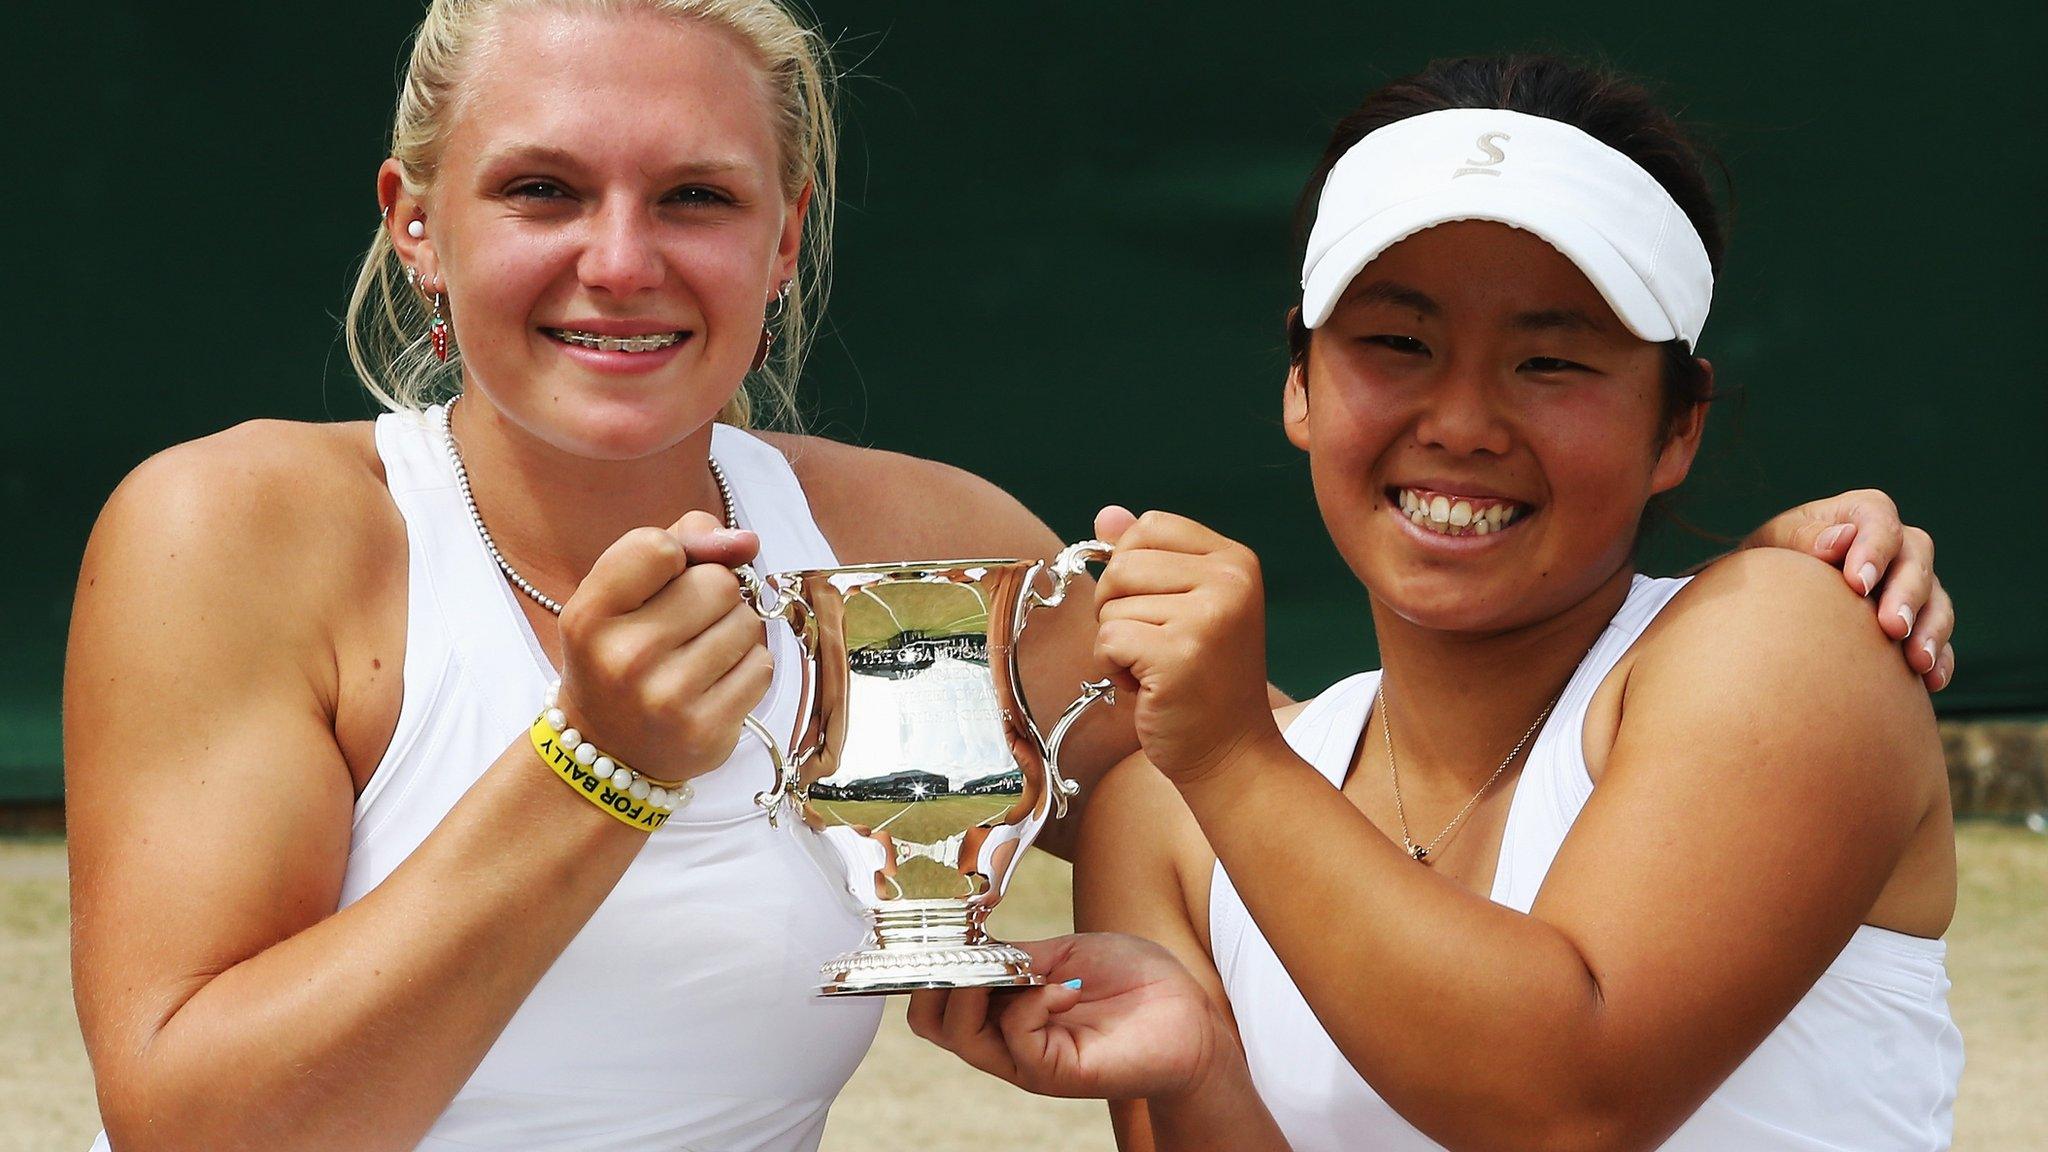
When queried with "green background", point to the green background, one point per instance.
{"points": [[1063, 256]]}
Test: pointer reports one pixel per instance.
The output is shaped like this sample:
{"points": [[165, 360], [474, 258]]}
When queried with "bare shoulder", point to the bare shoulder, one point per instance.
{"points": [[224, 579], [876, 505], [239, 489], [242, 532], [1769, 651], [1771, 607]]}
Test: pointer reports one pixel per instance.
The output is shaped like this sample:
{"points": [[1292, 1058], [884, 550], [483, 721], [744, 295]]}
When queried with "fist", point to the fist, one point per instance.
{"points": [[661, 659], [1183, 625]]}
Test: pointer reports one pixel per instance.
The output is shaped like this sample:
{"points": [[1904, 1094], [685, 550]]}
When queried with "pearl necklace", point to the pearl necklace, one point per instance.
{"points": [[491, 546]]}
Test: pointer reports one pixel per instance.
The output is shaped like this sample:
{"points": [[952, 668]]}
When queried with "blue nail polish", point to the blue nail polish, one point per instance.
{"points": [[1075, 983]]}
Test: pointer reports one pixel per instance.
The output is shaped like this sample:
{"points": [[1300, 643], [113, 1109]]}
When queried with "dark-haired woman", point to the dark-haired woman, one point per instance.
{"points": [[1598, 861]]}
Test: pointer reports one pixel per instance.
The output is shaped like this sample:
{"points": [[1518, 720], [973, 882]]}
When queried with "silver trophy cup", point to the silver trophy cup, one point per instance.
{"points": [[915, 764]]}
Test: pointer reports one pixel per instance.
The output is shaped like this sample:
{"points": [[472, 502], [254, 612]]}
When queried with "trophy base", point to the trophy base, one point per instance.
{"points": [[927, 944]]}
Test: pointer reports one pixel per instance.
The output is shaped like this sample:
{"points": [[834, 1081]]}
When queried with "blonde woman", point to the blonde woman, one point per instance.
{"points": [[328, 893]]}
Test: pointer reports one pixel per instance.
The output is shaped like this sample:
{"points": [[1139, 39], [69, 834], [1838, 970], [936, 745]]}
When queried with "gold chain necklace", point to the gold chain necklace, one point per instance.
{"points": [[1421, 852]]}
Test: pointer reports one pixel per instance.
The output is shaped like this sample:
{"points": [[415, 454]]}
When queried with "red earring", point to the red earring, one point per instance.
{"points": [[438, 334]]}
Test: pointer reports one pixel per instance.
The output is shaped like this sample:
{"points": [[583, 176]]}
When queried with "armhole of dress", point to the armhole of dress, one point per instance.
{"points": [[757, 462], [1226, 923], [769, 499], [1555, 784], [1329, 742], [421, 672], [1648, 597]]}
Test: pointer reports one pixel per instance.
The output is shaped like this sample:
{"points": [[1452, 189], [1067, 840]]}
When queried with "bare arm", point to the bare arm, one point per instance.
{"points": [[1773, 765], [1143, 869], [209, 809]]}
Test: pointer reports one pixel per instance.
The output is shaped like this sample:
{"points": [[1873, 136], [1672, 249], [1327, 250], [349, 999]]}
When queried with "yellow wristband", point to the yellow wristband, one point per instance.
{"points": [[643, 813]]}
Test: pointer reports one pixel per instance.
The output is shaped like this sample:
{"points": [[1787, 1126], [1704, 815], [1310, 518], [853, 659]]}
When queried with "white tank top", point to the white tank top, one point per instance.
{"points": [[717, 928], [1866, 1062]]}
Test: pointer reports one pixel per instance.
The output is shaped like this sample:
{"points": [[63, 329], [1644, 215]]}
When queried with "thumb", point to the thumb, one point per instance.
{"points": [[1112, 522], [706, 541], [1030, 1011], [1829, 540], [695, 522], [1058, 959]]}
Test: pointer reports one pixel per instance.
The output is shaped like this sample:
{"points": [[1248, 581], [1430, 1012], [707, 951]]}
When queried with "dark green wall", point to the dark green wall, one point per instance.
{"points": [[1062, 259]]}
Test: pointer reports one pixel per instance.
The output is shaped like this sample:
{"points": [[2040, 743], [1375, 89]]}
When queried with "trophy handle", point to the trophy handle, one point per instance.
{"points": [[1071, 562], [771, 602], [772, 800], [1064, 789]]}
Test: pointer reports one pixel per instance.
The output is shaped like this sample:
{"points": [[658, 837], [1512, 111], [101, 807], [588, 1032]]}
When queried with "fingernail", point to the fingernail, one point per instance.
{"points": [[1906, 614], [1868, 573], [1075, 984], [729, 533], [1933, 658], [1829, 538]]}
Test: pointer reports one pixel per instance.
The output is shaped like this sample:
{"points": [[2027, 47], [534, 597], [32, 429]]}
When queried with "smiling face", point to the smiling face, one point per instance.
{"points": [[1483, 432], [609, 222]]}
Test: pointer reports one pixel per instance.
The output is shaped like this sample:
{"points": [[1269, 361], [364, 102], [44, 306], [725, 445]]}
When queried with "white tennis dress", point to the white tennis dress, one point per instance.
{"points": [[682, 1016], [1866, 1062]]}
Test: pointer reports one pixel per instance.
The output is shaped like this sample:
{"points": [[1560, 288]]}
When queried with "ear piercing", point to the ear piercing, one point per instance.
{"points": [[771, 322], [437, 333], [417, 229]]}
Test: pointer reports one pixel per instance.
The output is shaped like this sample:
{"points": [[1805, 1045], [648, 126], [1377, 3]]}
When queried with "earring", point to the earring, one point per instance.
{"points": [[770, 323], [417, 229], [438, 334], [412, 276]]}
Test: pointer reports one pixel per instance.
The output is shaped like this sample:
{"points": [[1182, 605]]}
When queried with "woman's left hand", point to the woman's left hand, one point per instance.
{"points": [[1183, 628], [1882, 558], [1137, 1026]]}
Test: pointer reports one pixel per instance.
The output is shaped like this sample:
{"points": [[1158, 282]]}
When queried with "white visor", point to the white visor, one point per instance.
{"points": [[1588, 201]]}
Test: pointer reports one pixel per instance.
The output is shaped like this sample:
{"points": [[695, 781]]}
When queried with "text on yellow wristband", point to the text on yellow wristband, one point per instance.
{"points": [[595, 787]]}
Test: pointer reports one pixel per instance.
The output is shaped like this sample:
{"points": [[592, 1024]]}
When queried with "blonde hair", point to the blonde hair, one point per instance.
{"points": [[387, 320]]}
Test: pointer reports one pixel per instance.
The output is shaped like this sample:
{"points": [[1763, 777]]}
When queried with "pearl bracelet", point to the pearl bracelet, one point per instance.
{"points": [[642, 801]]}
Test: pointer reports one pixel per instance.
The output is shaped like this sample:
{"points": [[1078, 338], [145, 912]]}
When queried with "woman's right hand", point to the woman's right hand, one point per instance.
{"points": [[661, 659], [1138, 1025]]}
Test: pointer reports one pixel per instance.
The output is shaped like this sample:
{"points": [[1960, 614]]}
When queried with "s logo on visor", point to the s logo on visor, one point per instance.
{"points": [[1494, 157]]}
